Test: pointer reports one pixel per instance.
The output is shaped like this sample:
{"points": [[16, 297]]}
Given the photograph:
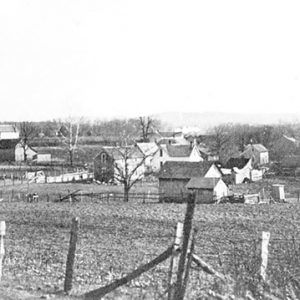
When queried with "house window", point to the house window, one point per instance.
{"points": [[161, 164], [103, 158], [160, 152]]}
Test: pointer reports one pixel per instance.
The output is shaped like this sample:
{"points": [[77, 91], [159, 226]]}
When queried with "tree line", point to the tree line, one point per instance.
{"points": [[227, 140]]}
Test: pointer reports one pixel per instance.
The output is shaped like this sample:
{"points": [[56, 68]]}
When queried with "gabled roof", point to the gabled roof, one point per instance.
{"points": [[202, 183], [236, 162], [121, 152], [184, 169], [7, 128], [147, 148], [179, 150], [258, 147]]}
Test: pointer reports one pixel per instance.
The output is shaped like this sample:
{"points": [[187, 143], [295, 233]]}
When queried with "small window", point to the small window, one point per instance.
{"points": [[103, 158], [160, 152]]}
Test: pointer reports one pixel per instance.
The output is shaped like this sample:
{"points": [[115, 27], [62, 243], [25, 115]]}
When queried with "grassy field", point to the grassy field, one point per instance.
{"points": [[115, 238]]}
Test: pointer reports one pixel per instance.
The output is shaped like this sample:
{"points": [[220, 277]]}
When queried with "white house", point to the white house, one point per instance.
{"points": [[19, 153], [152, 154]]}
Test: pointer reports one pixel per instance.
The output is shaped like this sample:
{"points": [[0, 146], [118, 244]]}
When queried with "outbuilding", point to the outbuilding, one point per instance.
{"points": [[174, 176], [207, 190]]}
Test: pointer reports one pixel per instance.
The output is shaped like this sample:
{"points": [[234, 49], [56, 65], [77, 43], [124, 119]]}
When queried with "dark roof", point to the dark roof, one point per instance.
{"points": [[236, 162], [179, 150], [184, 169], [258, 147], [166, 141], [120, 152], [202, 183]]}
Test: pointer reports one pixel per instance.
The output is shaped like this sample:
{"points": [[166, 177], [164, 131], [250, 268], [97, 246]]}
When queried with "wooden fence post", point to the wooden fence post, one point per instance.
{"points": [[144, 198], [174, 260], [71, 255], [187, 228], [264, 254], [2, 250]]}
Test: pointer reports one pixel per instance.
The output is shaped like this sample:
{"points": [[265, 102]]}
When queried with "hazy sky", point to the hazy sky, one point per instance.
{"points": [[107, 57]]}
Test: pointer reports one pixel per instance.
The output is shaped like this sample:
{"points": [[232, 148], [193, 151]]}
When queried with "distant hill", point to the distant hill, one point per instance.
{"points": [[206, 120]]}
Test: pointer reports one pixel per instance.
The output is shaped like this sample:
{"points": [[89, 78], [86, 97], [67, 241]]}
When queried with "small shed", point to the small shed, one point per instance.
{"points": [[278, 192], [208, 190]]}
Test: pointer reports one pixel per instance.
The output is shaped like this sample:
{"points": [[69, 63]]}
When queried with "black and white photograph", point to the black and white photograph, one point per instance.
{"points": [[149, 150]]}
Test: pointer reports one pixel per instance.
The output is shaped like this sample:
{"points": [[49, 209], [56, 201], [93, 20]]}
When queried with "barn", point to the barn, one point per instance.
{"points": [[174, 176], [9, 138], [207, 190]]}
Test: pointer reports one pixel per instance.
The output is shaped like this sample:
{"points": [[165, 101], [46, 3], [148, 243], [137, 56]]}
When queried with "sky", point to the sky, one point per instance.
{"points": [[105, 58]]}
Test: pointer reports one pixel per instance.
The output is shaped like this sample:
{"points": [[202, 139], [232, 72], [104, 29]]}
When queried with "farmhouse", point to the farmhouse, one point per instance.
{"points": [[151, 154], [9, 138], [258, 153], [207, 190], [111, 162], [174, 176]]}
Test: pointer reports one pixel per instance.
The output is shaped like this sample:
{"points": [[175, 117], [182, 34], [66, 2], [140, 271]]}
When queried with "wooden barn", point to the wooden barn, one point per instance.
{"points": [[207, 190], [9, 138], [7, 150], [174, 176]]}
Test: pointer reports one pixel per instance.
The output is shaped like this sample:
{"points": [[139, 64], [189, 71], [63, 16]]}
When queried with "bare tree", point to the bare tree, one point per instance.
{"points": [[128, 168], [70, 138], [27, 131], [220, 139], [145, 124]]}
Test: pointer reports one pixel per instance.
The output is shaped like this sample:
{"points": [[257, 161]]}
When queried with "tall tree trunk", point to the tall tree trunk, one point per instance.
{"points": [[71, 157], [25, 154], [126, 193]]}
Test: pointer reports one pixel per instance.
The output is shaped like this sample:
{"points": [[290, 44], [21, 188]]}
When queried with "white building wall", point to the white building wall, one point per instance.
{"points": [[213, 172], [264, 158], [195, 155], [9, 135], [19, 153], [221, 189]]}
